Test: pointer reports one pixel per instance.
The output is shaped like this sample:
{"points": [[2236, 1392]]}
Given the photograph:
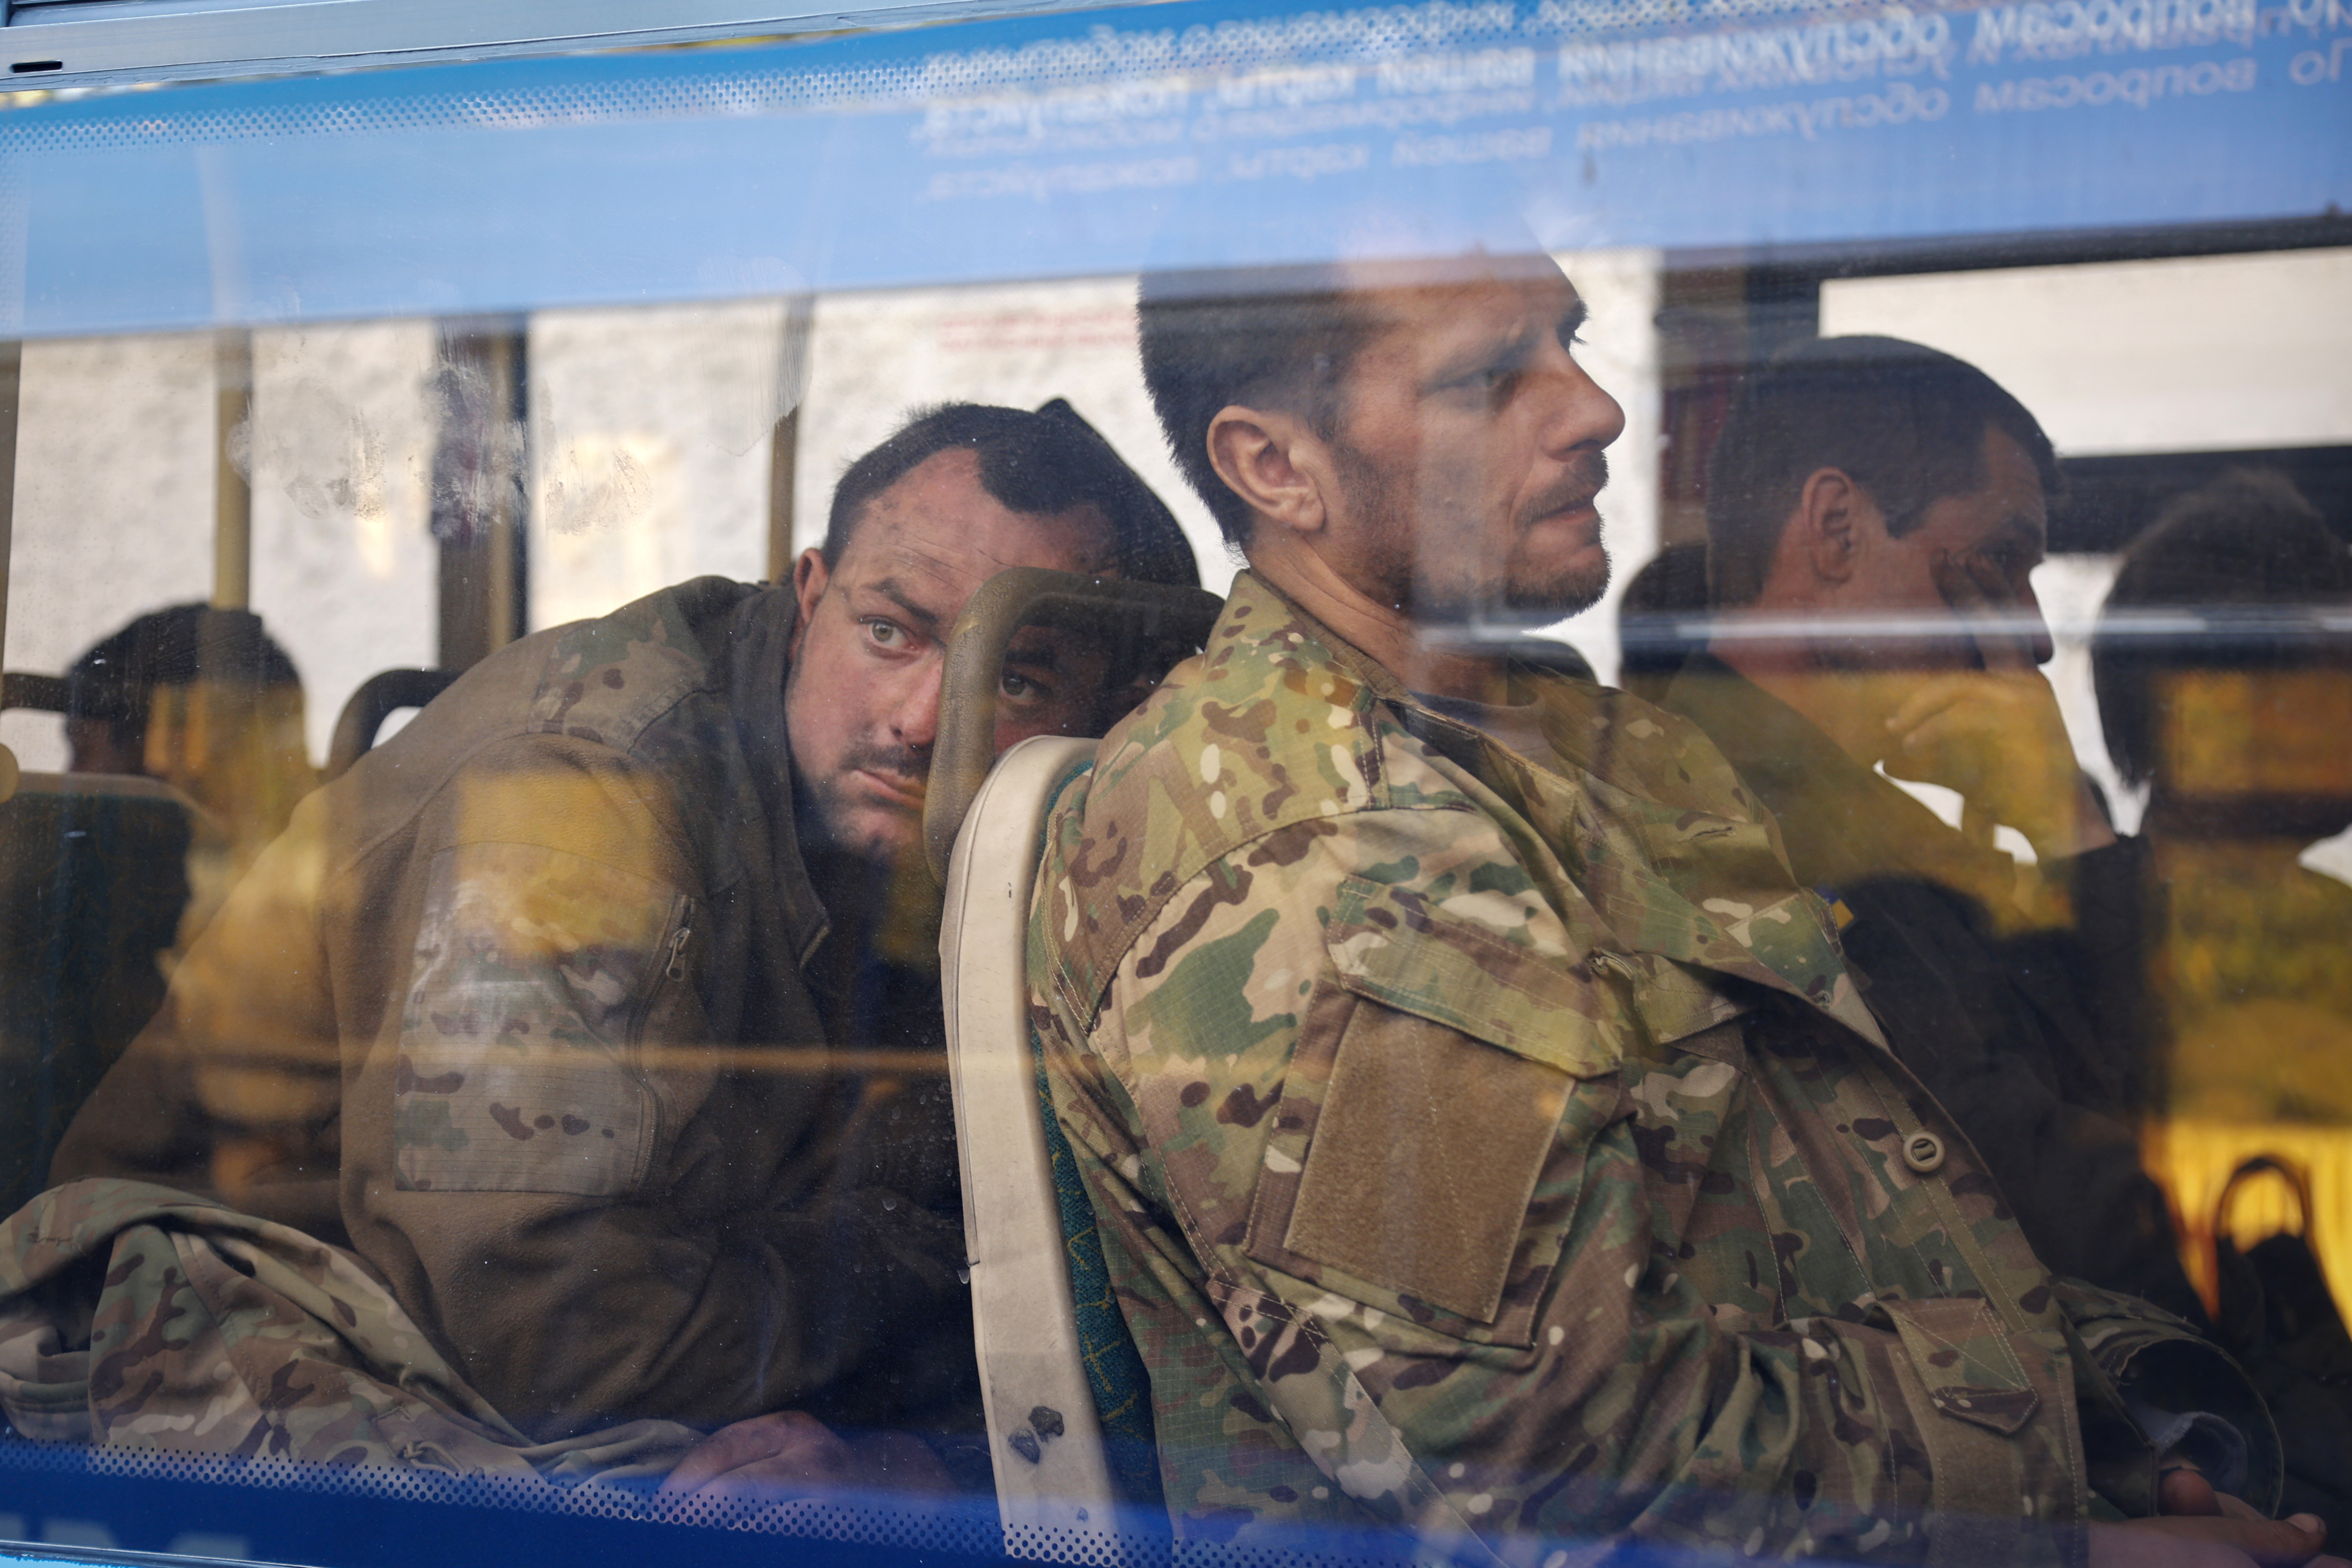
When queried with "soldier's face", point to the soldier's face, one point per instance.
{"points": [[861, 706], [1969, 554], [1470, 446]]}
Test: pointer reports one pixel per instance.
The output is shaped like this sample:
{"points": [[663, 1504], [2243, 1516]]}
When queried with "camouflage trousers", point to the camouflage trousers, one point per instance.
{"points": [[135, 1316]]}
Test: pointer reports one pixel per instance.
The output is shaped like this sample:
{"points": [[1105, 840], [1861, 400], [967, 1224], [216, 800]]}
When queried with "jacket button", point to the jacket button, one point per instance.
{"points": [[1924, 1153]]}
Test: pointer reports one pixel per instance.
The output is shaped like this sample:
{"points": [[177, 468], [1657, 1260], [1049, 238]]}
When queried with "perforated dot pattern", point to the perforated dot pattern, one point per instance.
{"points": [[864, 1519], [967, 1527]]}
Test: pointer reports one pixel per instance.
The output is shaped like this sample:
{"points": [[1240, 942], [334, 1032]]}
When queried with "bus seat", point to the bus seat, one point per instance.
{"points": [[1068, 1404], [1153, 625], [1057, 1479], [378, 698], [93, 885]]}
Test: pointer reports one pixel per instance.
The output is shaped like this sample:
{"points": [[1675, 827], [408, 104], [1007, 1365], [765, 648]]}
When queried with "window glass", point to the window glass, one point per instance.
{"points": [[1507, 779]]}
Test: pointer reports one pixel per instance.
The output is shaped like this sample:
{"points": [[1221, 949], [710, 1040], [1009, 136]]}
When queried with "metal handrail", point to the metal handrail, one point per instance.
{"points": [[379, 697], [1014, 598], [12, 365], [43, 693]]}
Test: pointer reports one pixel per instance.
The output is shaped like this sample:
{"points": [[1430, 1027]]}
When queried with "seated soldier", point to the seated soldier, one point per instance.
{"points": [[1863, 484], [102, 884], [574, 1011], [207, 702], [1485, 1133], [117, 686]]}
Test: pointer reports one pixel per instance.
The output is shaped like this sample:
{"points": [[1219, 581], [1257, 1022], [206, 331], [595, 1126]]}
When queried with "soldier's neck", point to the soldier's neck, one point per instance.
{"points": [[1849, 706], [1384, 633]]}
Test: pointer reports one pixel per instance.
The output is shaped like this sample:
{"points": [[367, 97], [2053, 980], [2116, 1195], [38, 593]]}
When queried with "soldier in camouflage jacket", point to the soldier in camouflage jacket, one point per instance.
{"points": [[541, 1010], [1485, 1133]]}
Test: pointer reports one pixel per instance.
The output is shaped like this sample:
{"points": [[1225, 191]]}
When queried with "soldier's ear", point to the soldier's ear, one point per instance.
{"points": [[1275, 463], [809, 578], [1825, 530]]}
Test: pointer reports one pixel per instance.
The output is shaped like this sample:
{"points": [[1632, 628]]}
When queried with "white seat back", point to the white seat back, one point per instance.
{"points": [[1054, 1488]]}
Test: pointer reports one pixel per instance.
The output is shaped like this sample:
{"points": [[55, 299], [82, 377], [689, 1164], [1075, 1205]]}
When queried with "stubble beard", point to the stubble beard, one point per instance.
{"points": [[1409, 566], [1530, 600], [829, 813]]}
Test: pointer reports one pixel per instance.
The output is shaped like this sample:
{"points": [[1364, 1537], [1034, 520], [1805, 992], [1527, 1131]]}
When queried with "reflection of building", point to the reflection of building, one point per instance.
{"points": [[646, 443], [115, 501], [647, 431]]}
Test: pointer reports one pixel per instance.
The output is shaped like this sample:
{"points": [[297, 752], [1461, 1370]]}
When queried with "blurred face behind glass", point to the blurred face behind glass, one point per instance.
{"points": [[862, 704], [1469, 443], [103, 746], [1971, 556]]}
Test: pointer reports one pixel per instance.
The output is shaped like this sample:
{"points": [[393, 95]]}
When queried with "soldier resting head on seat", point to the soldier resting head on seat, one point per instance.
{"points": [[1486, 1135], [564, 1011]]}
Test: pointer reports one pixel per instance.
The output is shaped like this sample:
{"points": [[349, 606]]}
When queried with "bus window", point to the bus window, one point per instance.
{"points": [[1206, 781]]}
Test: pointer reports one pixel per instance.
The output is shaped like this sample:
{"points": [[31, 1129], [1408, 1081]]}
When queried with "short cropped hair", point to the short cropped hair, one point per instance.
{"points": [[114, 680], [1277, 337], [2248, 540], [1035, 463], [1905, 422]]}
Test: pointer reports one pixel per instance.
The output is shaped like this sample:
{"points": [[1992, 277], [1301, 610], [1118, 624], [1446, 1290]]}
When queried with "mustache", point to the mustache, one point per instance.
{"points": [[911, 765], [1585, 478]]}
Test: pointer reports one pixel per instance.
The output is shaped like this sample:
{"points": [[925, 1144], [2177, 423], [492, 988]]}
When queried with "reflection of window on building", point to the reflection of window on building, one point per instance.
{"points": [[2236, 731], [2238, 736]]}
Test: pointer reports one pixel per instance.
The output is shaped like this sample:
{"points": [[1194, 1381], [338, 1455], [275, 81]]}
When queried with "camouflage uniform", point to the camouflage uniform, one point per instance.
{"points": [[525, 1012], [214, 1332], [1497, 1146]]}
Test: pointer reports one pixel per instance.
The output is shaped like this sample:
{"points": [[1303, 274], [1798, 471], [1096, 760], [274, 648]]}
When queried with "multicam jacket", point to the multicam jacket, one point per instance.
{"points": [[526, 1012], [137, 1317], [1495, 1146]]}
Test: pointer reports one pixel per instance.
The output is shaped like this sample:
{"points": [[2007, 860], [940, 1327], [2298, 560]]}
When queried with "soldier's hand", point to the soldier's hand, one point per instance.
{"points": [[2201, 1528], [786, 1455], [1995, 734], [2211, 1541], [766, 1458]]}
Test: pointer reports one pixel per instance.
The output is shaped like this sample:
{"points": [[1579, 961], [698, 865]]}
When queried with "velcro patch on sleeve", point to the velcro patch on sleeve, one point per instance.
{"points": [[1425, 1152], [1962, 1354], [532, 971]]}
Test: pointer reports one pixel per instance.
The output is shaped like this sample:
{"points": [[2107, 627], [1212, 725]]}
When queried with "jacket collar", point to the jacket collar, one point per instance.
{"points": [[1651, 828], [758, 666]]}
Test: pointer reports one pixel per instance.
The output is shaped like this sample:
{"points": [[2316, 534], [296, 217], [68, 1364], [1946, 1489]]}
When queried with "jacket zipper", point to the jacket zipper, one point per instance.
{"points": [[669, 956]]}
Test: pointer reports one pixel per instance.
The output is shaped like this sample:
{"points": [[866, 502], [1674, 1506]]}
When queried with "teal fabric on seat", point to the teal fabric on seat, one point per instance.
{"points": [[1123, 1389], [1114, 1372]]}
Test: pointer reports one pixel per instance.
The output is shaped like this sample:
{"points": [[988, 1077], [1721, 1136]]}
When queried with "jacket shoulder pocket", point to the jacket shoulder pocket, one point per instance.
{"points": [[1508, 980], [517, 1070]]}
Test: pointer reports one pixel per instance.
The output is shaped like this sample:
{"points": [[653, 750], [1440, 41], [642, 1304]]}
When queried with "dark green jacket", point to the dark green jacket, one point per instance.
{"points": [[520, 1010], [2017, 1030]]}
